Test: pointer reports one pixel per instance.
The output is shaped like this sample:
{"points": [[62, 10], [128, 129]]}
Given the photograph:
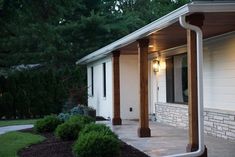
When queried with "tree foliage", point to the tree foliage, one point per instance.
{"points": [[26, 94], [58, 32], [54, 34]]}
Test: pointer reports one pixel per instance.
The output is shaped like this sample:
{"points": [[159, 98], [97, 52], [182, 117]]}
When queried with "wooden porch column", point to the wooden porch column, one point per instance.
{"points": [[197, 20], [143, 130], [116, 89]]}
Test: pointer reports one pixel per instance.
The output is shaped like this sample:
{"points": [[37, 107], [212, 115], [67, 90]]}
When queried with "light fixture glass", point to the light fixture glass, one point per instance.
{"points": [[151, 46], [156, 65]]}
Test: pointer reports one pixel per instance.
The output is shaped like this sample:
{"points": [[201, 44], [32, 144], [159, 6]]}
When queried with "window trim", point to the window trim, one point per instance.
{"points": [[92, 81], [104, 81], [173, 102]]}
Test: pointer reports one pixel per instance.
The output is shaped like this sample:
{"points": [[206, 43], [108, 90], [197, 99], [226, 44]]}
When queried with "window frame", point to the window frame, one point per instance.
{"points": [[172, 88], [104, 80], [92, 81]]}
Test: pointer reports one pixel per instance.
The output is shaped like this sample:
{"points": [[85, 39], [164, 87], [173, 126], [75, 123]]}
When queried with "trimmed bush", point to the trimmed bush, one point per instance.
{"points": [[98, 128], [96, 144], [82, 120], [68, 131], [47, 124]]}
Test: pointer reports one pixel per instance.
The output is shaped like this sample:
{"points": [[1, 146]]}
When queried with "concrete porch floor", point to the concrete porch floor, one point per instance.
{"points": [[167, 140]]}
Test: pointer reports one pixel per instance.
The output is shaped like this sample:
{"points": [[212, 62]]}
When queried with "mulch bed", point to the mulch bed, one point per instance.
{"points": [[53, 147]]}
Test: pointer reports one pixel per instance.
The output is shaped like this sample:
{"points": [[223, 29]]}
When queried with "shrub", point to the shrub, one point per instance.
{"points": [[96, 144], [78, 110], [47, 124], [64, 116], [68, 131], [98, 128], [82, 120]]}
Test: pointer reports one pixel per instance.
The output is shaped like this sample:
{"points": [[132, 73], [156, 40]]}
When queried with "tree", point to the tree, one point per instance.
{"points": [[7, 103], [56, 33], [22, 104]]}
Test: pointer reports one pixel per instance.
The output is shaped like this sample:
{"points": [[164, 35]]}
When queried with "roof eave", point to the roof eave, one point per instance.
{"points": [[140, 33], [157, 25]]}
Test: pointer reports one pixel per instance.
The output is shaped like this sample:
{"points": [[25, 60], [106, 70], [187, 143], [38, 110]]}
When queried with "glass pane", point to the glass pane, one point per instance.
{"points": [[180, 79]]}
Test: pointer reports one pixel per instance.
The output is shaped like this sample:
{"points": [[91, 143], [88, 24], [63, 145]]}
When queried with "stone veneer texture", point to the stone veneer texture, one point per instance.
{"points": [[217, 123]]}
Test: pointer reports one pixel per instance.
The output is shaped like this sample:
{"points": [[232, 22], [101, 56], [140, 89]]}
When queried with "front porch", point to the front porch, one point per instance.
{"points": [[167, 140]]}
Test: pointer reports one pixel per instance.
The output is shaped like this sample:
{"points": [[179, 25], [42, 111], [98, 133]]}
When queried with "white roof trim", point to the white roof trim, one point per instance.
{"points": [[157, 25]]}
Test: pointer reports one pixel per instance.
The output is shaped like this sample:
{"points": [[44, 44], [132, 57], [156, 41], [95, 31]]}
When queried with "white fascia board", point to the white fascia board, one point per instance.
{"points": [[212, 7], [158, 25], [140, 33]]}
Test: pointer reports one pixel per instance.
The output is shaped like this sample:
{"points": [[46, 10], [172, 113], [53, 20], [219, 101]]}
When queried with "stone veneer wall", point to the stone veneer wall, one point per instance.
{"points": [[217, 123]]}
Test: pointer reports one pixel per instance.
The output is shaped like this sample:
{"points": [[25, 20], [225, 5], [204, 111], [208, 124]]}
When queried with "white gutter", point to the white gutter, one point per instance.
{"points": [[201, 147]]}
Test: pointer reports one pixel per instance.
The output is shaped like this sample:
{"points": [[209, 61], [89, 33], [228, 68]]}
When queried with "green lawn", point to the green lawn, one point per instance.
{"points": [[17, 122], [12, 142]]}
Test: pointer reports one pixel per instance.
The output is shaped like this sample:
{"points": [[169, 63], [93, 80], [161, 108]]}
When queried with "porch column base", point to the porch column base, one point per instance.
{"points": [[117, 121], [192, 148], [144, 132]]}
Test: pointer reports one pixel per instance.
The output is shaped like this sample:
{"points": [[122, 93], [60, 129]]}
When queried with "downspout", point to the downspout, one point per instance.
{"points": [[199, 41]]}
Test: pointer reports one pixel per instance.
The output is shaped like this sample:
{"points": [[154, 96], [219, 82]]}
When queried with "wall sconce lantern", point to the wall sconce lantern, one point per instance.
{"points": [[156, 65]]}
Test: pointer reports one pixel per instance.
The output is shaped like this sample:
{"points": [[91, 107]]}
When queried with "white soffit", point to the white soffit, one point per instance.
{"points": [[157, 25]]}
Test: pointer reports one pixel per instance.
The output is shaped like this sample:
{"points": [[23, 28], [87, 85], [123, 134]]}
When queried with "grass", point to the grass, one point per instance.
{"points": [[12, 142], [17, 122]]}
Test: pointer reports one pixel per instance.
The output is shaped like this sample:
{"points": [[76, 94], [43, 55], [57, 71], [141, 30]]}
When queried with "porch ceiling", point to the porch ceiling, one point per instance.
{"points": [[174, 35], [165, 32]]}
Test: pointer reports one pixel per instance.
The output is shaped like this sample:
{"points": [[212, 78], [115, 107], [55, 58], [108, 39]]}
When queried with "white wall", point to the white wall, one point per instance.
{"points": [[129, 91], [161, 78], [153, 91], [219, 73], [103, 105]]}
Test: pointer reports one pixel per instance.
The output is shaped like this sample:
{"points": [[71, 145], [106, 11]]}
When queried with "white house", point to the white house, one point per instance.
{"points": [[154, 71]]}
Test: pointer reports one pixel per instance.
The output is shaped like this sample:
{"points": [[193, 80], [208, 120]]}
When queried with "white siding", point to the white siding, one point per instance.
{"points": [[129, 90], [161, 75], [103, 105], [219, 74], [128, 87]]}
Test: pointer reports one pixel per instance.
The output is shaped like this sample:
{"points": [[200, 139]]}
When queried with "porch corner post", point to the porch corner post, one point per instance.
{"points": [[143, 130], [197, 20], [116, 89]]}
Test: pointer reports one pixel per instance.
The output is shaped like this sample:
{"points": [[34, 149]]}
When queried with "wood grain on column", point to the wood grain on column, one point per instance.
{"points": [[116, 88], [143, 130]]}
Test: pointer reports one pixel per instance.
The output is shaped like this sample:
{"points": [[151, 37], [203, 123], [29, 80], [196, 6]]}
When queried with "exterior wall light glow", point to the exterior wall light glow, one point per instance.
{"points": [[156, 65]]}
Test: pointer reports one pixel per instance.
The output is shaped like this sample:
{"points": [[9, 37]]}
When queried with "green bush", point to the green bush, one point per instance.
{"points": [[68, 131], [82, 120], [47, 124], [98, 128], [96, 144]]}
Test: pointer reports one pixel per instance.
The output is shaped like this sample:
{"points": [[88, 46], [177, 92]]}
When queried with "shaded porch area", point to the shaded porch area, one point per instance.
{"points": [[167, 140]]}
